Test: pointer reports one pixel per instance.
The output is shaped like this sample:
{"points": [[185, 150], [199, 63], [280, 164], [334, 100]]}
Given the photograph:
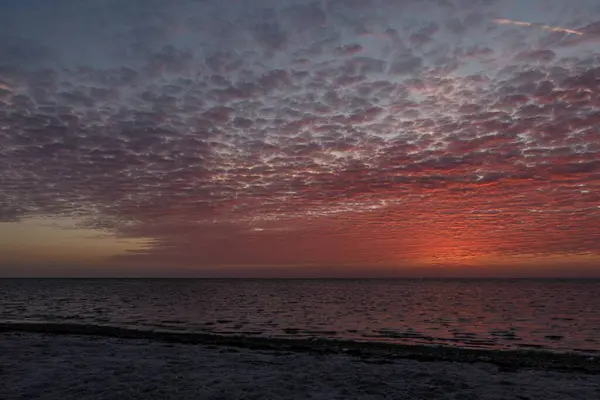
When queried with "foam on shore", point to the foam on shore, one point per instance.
{"points": [[510, 359]]}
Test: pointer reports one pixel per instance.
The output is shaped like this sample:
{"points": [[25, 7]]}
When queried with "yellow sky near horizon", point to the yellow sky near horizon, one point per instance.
{"points": [[60, 240]]}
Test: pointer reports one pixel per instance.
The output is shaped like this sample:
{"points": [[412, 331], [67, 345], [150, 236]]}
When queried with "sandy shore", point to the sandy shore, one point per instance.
{"points": [[41, 366]]}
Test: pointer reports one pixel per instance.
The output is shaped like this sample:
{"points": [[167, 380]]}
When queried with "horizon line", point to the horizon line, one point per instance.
{"points": [[311, 278]]}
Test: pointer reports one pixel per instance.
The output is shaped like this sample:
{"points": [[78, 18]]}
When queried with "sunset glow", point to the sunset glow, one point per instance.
{"points": [[550, 28], [300, 138]]}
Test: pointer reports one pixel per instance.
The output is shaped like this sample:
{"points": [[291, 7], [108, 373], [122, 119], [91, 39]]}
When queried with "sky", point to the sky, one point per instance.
{"points": [[299, 138]]}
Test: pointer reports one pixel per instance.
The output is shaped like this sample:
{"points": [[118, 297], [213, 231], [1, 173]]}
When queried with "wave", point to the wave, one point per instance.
{"points": [[507, 359]]}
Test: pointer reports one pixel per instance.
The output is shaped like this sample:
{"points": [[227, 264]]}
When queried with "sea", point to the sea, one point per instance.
{"points": [[551, 315]]}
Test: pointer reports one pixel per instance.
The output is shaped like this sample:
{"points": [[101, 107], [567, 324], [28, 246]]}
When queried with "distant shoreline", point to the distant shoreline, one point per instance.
{"points": [[381, 278], [507, 359]]}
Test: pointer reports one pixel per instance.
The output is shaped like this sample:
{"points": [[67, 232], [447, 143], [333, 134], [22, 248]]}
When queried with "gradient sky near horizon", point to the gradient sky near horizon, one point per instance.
{"points": [[299, 137]]}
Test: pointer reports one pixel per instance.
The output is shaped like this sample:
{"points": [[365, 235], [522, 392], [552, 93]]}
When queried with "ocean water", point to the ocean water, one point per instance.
{"points": [[557, 315]]}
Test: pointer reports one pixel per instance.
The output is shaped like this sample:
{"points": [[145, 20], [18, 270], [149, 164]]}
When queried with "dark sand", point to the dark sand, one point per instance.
{"points": [[49, 366], [507, 360]]}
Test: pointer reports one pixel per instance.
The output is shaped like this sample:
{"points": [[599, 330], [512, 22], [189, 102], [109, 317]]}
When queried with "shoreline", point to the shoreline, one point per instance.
{"points": [[85, 367], [505, 359]]}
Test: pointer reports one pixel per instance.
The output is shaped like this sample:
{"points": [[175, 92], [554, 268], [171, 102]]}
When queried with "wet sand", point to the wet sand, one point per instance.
{"points": [[66, 366], [507, 360]]}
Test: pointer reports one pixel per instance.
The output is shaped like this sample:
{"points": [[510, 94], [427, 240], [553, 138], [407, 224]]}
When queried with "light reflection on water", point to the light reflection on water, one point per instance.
{"points": [[552, 314]]}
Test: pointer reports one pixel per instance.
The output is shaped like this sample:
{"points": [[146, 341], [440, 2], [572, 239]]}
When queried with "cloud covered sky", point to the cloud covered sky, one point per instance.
{"points": [[255, 137]]}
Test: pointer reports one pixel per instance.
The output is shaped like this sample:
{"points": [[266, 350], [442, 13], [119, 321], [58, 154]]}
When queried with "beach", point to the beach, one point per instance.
{"points": [[66, 366]]}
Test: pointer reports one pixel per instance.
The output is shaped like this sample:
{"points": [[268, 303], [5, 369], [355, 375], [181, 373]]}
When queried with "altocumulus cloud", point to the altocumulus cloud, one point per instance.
{"points": [[273, 132]]}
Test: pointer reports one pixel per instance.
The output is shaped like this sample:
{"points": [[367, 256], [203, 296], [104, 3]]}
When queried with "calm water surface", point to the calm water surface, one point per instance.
{"points": [[549, 314]]}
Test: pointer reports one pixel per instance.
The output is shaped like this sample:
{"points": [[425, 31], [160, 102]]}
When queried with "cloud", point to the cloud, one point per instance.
{"points": [[294, 131], [536, 56], [505, 21]]}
